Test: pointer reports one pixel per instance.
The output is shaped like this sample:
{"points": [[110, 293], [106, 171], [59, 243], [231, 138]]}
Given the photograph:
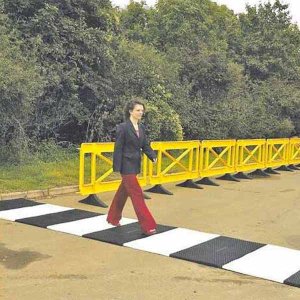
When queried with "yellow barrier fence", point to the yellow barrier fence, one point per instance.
{"points": [[96, 168], [250, 155], [184, 160], [294, 151], [175, 161], [277, 152], [217, 157]]}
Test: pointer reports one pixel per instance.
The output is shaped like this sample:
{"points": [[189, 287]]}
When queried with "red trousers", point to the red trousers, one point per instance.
{"points": [[130, 187]]}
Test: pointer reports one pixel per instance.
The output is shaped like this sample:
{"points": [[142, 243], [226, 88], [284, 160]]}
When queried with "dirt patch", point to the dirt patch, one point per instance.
{"points": [[19, 259]]}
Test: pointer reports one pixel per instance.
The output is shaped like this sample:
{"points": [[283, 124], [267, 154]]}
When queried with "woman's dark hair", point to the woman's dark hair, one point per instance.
{"points": [[130, 106]]}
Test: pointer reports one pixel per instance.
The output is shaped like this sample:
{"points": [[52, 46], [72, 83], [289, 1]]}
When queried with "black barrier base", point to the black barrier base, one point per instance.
{"points": [[207, 181], [190, 184], [259, 173], [228, 177], [271, 171], [159, 189], [284, 168], [242, 175], [93, 199], [293, 167], [147, 197]]}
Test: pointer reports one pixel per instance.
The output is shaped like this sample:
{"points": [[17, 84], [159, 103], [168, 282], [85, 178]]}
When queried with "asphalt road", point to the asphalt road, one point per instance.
{"points": [[38, 263]]}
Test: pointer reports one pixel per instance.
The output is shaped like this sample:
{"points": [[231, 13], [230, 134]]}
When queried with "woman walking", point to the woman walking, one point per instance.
{"points": [[130, 142]]}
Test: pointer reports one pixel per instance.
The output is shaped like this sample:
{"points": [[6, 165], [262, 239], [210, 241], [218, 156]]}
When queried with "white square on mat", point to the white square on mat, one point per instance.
{"points": [[171, 241], [87, 225], [31, 211], [269, 262]]}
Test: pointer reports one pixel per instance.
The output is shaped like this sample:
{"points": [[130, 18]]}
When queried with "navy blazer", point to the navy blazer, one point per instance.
{"points": [[129, 147]]}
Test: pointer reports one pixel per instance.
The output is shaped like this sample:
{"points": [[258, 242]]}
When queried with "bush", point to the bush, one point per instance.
{"points": [[50, 151], [162, 123]]}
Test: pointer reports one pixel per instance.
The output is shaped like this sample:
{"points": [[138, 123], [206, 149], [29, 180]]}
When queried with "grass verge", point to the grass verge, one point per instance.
{"points": [[38, 175]]}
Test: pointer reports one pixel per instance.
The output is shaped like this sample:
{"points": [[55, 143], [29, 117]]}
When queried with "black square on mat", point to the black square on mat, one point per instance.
{"points": [[59, 217], [293, 280], [218, 251], [123, 234], [17, 203]]}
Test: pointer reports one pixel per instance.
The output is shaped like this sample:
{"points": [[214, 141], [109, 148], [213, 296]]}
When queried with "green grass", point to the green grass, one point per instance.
{"points": [[38, 175]]}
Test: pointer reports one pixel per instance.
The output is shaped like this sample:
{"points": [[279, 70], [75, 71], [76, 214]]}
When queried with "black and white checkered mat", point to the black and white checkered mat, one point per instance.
{"points": [[265, 261]]}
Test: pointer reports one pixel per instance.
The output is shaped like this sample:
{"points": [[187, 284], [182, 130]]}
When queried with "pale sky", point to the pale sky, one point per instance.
{"points": [[237, 6]]}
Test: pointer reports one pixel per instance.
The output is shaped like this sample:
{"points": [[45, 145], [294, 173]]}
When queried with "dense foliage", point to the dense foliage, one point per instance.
{"points": [[68, 66]]}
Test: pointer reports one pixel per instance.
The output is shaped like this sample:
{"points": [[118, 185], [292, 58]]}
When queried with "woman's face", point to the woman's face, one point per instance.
{"points": [[137, 112]]}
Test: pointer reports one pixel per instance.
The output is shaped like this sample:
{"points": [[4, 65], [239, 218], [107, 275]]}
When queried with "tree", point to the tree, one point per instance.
{"points": [[134, 21], [270, 43], [142, 71], [20, 85], [72, 40], [186, 23]]}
